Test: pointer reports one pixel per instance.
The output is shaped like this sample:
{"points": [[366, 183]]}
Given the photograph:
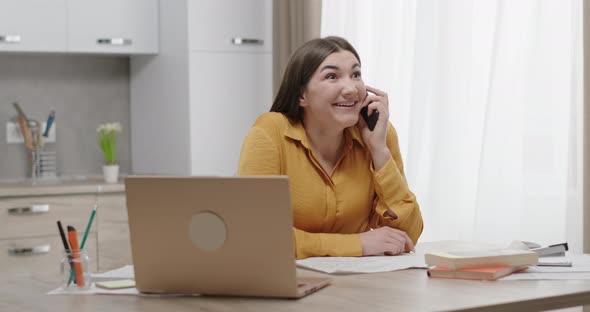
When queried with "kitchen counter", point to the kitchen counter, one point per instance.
{"points": [[62, 185]]}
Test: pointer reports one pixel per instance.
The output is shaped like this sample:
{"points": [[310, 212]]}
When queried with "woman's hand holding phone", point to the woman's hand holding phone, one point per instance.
{"points": [[376, 101], [371, 121]]}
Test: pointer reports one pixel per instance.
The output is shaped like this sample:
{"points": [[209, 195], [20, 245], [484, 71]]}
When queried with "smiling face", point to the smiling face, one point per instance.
{"points": [[334, 94]]}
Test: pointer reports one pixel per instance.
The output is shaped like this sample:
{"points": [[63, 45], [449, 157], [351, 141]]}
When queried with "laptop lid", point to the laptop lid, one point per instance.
{"points": [[212, 235]]}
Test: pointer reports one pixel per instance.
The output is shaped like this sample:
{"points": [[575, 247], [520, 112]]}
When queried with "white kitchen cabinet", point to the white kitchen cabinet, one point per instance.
{"points": [[113, 26], [79, 26], [33, 25], [229, 25], [192, 105]]}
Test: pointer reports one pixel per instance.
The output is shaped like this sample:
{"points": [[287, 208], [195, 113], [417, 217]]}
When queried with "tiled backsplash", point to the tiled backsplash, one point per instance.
{"points": [[84, 91]]}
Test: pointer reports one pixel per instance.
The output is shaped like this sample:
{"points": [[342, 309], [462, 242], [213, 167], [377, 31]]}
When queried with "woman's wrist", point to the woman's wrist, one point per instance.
{"points": [[380, 157]]}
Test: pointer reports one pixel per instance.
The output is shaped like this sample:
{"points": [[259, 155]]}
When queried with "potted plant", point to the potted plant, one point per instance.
{"points": [[107, 140]]}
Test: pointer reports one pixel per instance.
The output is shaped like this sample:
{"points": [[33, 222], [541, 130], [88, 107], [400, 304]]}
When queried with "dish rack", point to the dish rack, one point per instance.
{"points": [[43, 162]]}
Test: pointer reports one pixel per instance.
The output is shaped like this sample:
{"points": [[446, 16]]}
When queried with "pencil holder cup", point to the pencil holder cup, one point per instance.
{"points": [[75, 270]]}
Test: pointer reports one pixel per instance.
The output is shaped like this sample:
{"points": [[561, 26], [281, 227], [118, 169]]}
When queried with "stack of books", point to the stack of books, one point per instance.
{"points": [[490, 264]]}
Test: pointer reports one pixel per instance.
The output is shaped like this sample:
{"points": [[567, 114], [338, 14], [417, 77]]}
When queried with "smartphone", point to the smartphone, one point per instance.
{"points": [[371, 121]]}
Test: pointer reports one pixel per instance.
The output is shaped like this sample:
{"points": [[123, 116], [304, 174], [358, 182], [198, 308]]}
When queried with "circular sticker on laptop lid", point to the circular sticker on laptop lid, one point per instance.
{"points": [[207, 231]]}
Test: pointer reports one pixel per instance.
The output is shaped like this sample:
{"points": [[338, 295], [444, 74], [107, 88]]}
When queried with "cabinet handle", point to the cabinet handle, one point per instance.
{"points": [[33, 209], [26, 251], [9, 38], [114, 41], [247, 41]]}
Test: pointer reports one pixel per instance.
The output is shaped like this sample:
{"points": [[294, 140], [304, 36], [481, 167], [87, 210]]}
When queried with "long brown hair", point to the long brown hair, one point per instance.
{"points": [[303, 63]]}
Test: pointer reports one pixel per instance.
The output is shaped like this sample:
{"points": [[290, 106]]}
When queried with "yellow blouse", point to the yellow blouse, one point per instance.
{"points": [[330, 211]]}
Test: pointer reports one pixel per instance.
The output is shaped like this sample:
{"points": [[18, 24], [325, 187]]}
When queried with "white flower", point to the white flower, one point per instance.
{"points": [[109, 127], [116, 126]]}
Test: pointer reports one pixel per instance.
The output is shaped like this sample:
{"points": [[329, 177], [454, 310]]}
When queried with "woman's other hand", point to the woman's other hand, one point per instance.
{"points": [[385, 240]]}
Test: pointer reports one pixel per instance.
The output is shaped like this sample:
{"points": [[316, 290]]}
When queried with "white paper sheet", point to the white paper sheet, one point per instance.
{"points": [[125, 272], [351, 265], [93, 290]]}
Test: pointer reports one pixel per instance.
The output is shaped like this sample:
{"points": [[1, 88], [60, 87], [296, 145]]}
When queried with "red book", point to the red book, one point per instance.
{"points": [[490, 273]]}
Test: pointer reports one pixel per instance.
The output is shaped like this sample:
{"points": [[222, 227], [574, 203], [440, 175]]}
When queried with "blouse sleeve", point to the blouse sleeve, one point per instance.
{"points": [[394, 198]]}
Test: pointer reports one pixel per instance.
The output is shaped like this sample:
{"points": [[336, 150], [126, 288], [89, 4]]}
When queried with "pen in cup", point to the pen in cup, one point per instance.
{"points": [[88, 226], [92, 214], [78, 271], [65, 243]]}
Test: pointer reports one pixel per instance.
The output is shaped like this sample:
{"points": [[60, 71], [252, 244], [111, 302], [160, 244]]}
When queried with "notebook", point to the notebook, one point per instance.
{"points": [[490, 273], [214, 236]]}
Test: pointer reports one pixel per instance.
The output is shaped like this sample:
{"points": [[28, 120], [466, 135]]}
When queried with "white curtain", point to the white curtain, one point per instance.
{"points": [[487, 99]]}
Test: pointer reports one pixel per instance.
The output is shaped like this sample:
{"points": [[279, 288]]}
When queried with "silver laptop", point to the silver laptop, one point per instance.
{"points": [[214, 235]]}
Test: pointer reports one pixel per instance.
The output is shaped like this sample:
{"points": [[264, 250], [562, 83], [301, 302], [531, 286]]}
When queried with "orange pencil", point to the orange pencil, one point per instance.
{"points": [[73, 237]]}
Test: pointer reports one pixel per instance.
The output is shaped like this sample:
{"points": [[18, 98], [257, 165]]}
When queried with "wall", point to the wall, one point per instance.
{"points": [[84, 91]]}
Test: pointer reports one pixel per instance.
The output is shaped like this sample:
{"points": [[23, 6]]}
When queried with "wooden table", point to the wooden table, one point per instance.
{"points": [[409, 290]]}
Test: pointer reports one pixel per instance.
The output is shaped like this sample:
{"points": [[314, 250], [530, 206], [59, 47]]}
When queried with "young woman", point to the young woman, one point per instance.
{"points": [[349, 194]]}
